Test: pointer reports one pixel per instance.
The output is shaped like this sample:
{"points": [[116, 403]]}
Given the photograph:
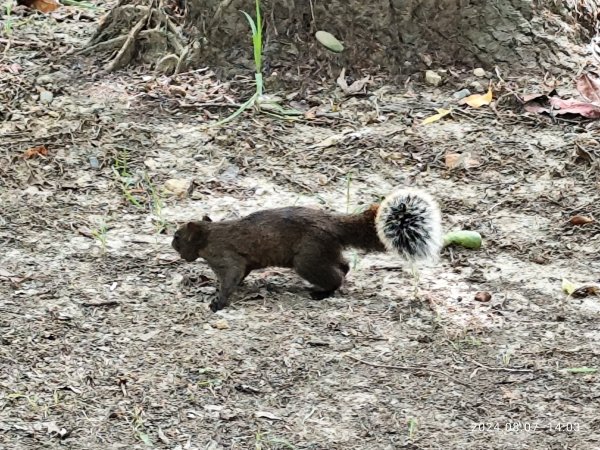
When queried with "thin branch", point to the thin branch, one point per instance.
{"points": [[500, 369], [411, 368]]}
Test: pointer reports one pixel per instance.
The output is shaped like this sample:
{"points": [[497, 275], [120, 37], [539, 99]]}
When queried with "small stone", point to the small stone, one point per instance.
{"points": [[483, 297], [94, 162], [479, 72], [150, 164], [229, 174], [46, 97], [177, 91], [177, 186], [477, 86], [461, 94], [44, 79], [220, 324], [433, 78]]}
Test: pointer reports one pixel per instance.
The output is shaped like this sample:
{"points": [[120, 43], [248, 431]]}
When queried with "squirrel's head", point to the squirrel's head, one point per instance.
{"points": [[191, 238]]}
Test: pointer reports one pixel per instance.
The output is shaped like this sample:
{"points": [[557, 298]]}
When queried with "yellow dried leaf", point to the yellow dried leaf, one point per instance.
{"points": [[441, 113], [568, 287], [477, 100]]}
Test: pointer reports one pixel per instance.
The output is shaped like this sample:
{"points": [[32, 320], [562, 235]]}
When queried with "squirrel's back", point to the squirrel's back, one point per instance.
{"points": [[408, 222]]}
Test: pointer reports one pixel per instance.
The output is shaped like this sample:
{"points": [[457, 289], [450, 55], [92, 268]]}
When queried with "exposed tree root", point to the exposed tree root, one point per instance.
{"points": [[143, 30], [125, 54]]}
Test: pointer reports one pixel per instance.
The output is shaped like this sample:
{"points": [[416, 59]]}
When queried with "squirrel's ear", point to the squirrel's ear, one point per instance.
{"points": [[193, 227], [207, 219]]}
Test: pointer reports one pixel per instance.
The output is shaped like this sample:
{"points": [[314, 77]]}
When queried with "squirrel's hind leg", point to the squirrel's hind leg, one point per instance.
{"points": [[246, 272], [326, 274]]}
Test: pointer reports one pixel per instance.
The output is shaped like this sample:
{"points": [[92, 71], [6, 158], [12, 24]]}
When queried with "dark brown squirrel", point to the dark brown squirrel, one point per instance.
{"points": [[311, 241]]}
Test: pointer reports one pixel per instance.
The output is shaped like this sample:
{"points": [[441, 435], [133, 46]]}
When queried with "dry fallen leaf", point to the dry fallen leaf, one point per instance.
{"points": [[311, 113], [441, 113], [454, 160], [568, 286], [44, 6], [13, 278], [510, 395], [586, 290], [572, 106], [580, 291], [358, 87], [33, 152], [12, 68], [580, 220], [526, 98], [552, 103], [477, 100], [588, 86]]}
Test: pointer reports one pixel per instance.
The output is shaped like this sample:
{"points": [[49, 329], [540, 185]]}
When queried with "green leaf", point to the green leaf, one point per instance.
{"points": [[329, 41]]}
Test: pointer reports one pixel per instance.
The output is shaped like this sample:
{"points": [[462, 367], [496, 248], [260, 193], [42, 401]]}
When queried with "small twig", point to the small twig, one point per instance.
{"points": [[100, 304], [208, 105], [24, 43], [505, 369], [411, 368]]}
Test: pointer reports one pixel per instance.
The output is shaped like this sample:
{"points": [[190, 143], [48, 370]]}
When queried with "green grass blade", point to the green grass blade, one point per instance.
{"points": [[257, 40], [256, 37], [251, 22], [259, 82], [240, 110]]}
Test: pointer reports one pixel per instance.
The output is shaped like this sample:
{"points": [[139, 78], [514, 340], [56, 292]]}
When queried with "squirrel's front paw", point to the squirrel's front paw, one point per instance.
{"points": [[216, 305], [320, 295]]}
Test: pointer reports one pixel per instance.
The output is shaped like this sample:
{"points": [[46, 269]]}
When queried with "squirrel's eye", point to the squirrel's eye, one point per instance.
{"points": [[176, 236]]}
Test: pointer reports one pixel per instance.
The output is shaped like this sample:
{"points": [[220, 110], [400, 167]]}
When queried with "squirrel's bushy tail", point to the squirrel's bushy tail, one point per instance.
{"points": [[409, 222]]}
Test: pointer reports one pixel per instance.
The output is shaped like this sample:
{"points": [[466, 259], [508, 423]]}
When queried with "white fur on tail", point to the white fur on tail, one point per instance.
{"points": [[409, 222]]}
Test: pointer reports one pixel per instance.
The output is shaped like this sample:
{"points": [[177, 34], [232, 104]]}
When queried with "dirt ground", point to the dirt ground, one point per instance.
{"points": [[106, 340]]}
